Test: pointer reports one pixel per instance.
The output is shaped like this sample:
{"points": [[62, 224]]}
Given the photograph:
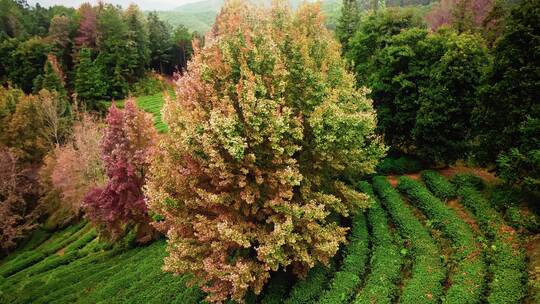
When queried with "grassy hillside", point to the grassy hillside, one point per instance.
{"points": [[73, 266], [199, 16], [424, 239]]}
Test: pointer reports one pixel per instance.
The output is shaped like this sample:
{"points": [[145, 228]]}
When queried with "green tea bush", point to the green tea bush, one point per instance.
{"points": [[468, 180], [349, 276], [381, 284], [149, 85], [400, 165], [427, 273], [506, 256], [277, 288], [520, 218], [46, 249], [439, 185], [510, 201], [309, 290], [470, 272]]}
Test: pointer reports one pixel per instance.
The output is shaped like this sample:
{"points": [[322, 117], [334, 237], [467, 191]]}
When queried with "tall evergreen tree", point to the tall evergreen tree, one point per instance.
{"points": [[90, 84], [348, 22], [508, 115], [114, 50], [159, 38], [52, 79], [138, 53]]}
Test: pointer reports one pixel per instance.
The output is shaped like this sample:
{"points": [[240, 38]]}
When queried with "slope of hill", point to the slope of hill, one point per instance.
{"points": [[425, 240], [199, 16]]}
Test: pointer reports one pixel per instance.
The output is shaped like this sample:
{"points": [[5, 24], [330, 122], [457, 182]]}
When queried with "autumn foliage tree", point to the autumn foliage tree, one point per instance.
{"points": [[126, 148], [265, 122], [72, 169], [16, 214]]}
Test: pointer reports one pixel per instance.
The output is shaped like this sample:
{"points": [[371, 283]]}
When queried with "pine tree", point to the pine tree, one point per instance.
{"points": [[52, 78], [90, 84], [348, 22]]}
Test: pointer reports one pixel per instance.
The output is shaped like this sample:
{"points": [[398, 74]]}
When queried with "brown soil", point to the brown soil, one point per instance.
{"points": [[480, 172], [393, 179], [454, 204]]}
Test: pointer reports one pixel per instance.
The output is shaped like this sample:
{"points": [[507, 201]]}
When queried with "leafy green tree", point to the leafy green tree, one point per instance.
{"points": [[347, 22], [521, 165], [425, 87], [159, 38], [52, 79], [509, 110], [90, 84], [372, 34], [138, 52], [443, 126], [182, 49], [114, 50], [26, 62]]}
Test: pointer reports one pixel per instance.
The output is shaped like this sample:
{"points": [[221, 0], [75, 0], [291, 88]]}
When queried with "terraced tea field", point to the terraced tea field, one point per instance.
{"points": [[151, 104], [424, 240]]}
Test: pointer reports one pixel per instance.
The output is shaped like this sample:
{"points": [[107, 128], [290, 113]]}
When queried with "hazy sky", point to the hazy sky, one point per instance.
{"points": [[143, 4]]}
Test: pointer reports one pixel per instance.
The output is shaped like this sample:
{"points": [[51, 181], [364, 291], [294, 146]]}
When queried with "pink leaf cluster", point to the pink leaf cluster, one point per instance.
{"points": [[448, 12], [126, 148], [77, 167]]}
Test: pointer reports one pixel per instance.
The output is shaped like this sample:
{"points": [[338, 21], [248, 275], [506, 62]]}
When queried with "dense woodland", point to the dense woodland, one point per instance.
{"points": [[260, 161]]}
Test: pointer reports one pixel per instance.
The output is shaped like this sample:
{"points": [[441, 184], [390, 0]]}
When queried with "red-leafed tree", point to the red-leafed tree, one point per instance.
{"points": [[461, 14], [87, 32], [126, 148]]}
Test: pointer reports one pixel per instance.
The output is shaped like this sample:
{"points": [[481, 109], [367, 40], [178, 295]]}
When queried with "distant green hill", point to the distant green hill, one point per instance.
{"points": [[199, 16]]}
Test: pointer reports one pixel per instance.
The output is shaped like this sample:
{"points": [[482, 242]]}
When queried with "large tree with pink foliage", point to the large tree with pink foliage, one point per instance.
{"points": [[461, 14], [126, 148]]}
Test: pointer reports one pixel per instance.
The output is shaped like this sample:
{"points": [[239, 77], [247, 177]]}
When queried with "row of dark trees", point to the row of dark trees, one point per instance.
{"points": [[97, 52], [457, 83]]}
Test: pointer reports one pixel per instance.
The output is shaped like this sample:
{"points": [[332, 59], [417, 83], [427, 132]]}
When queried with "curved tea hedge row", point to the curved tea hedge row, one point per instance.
{"points": [[439, 185], [381, 283], [468, 278], [425, 285], [310, 289], [74, 266], [506, 256], [346, 280], [49, 247]]}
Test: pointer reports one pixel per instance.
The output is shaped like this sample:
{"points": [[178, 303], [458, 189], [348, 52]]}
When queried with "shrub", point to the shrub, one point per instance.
{"points": [[151, 84], [437, 184], [245, 183], [400, 165], [382, 282], [427, 274], [309, 289], [468, 180], [345, 281], [277, 288], [126, 149], [506, 256], [467, 280]]}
